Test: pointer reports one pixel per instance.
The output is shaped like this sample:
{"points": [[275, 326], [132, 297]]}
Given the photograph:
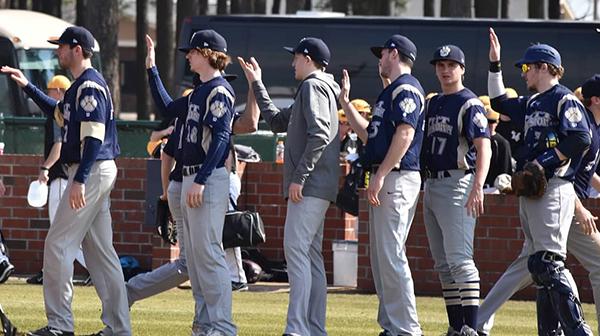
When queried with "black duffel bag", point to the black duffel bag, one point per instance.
{"points": [[243, 228]]}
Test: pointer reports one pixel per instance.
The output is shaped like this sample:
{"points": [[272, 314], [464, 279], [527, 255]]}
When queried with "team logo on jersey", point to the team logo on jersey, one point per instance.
{"points": [[217, 108], [378, 109], [439, 124], [573, 115], [88, 104], [516, 136], [480, 120], [444, 51], [537, 119], [408, 106], [193, 113]]}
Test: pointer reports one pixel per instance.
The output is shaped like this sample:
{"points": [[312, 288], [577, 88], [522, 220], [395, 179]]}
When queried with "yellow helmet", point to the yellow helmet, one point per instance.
{"points": [[485, 100], [430, 95], [578, 94], [186, 92], [59, 82], [491, 114], [361, 105], [511, 93]]}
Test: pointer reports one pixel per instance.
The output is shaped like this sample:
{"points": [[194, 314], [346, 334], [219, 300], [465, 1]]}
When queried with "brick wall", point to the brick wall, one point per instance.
{"points": [[498, 234]]}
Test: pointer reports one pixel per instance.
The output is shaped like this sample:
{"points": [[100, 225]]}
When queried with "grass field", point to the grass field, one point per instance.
{"points": [[255, 313]]}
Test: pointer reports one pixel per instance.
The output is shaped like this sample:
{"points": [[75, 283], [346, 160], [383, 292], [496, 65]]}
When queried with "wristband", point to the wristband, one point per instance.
{"points": [[495, 66], [549, 158], [44, 168]]}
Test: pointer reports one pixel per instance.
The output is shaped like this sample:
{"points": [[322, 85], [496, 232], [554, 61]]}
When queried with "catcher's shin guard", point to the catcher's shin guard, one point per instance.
{"points": [[554, 290], [6, 326]]}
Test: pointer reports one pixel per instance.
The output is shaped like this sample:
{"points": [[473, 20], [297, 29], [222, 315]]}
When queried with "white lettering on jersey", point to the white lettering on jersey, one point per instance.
{"points": [[439, 124], [193, 112], [537, 119]]}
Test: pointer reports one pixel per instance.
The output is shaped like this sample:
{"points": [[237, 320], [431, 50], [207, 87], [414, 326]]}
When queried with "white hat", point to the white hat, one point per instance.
{"points": [[37, 195]]}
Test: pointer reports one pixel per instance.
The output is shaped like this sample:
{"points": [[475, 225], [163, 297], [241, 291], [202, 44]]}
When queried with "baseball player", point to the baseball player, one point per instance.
{"points": [[53, 172], [310, 177], [83, 218], [393, 140], [205, 185], [583, 240], [456, 153], [546, 220]]}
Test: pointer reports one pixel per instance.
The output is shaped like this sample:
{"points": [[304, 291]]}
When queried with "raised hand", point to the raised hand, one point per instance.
{"points": [[494, 46], [16, 75], [252, 70], [345, 87], [150, 54]]}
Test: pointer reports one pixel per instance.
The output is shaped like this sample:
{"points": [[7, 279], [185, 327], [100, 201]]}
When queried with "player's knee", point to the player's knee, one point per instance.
{"points": [[464, 271]]}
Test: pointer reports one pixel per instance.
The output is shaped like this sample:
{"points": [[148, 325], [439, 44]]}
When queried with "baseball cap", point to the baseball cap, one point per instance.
{"points": [[76, 35], [540, 53], [207, 38], [399, 42], [313, 47], [59, 82], [449, 52], [591, 87]]}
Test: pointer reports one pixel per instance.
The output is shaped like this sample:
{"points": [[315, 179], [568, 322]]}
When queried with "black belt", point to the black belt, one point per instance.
{"points": [[374, 168], [190, 170], [438, 174]]}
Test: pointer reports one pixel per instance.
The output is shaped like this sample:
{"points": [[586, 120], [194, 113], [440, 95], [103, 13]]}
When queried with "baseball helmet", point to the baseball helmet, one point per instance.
{"points": [[59, 82]]}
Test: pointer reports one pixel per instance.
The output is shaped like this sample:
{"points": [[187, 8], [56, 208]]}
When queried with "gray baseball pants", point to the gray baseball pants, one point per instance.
{"points": [[389, 227], [203, 234], [303, 243], [90, 228]]}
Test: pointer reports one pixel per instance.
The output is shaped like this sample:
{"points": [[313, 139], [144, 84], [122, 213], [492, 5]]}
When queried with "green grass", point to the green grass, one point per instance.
{"points": [[255, 313]]}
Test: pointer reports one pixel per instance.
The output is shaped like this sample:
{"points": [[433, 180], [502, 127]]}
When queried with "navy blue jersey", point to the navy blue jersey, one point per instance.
{"points": [[589, 163], [87, 110], [401, 102], [207, 129], [173, 149], [556, 110], [452, 122]]}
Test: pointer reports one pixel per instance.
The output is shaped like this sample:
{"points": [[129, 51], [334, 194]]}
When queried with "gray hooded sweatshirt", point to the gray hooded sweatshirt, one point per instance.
{"points": [[312, 148]]}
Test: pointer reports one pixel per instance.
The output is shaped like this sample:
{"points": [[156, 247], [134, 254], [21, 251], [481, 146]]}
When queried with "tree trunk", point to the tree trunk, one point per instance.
{"points": [[260, 7], [374, 7], [222, 7], [105, 29], [81, 13], [457, 8], [292, 6], [141, 29], [276, 7], [185, 8], [165, 50], [554, 9], [429, 8], [504, 9], [487, 8], [36, 5], [202, 7], [52, 7], [537, 9], [22, 4], [340, 6]]}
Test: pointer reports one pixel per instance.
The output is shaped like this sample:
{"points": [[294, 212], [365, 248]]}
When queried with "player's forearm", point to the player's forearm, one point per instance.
{"points": [[277, 120], [217, 149], [91, 148], [54, 155], [482, 163], [357, 122], [166, 166], [401, 141], [46, 103], [248, 121], [159, 93]]}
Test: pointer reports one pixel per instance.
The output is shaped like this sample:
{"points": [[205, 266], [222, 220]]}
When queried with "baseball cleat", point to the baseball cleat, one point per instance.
{"points": [[6, 269], [49, 331]]}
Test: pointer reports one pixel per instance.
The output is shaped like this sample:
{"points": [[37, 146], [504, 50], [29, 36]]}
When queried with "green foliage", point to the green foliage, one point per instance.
{"points": [[255, 313]]}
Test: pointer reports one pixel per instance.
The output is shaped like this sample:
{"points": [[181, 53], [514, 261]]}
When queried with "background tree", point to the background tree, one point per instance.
{"points": [[165, 40], [105, 29], [292, 6], [373, 7], [141, 29], [487, 8], [504, 9], [222, 7], [185, 8], [537, 9], [457, 8], [81, 13], [429, 8], [554, 9]]}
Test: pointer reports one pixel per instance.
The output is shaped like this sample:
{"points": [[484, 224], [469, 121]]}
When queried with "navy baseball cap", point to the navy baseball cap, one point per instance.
{"points": [[207, 38], [591, 87], [449, 52], [540, 53], [313, 47], [76, 35], [401, 43]]}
